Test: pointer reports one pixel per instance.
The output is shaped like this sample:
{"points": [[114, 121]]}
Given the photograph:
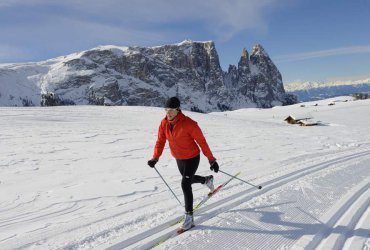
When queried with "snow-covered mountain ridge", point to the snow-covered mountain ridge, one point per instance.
{"points": [[311, 90], [304, 85], [114, 75]]}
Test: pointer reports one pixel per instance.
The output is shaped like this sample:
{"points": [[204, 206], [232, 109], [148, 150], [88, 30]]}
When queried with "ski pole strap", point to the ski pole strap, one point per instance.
{"points": [[168, 186], [259, 187]]}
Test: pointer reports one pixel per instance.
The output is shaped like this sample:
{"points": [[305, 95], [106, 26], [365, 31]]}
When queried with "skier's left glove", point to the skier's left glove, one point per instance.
{"points": [[214, 166]]}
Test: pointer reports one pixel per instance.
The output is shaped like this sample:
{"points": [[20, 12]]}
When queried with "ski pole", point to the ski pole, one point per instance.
{"points": [[168, 186], [259, 187]]}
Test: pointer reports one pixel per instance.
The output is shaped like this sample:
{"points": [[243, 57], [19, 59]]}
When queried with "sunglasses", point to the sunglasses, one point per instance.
{"points": [[170, 110]]}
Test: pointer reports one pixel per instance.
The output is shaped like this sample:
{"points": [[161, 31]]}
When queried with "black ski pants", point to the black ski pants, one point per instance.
{"points": [[187, 169]]}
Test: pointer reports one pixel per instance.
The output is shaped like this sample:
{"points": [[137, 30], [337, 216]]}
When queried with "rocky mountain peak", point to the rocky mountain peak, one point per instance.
{"points": [[244, 53], [258, 50], [140, 76], [263, 62], [244, 58]]}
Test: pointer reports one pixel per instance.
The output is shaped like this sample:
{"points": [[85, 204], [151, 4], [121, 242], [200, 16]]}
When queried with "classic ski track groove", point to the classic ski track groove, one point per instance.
{"points": [[103, 233], [355, 242], [354, 222], [240, 198], [320, 239]]}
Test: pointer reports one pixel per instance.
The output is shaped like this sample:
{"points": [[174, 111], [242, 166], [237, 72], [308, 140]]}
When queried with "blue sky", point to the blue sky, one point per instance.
{"points": [[307, 39]]}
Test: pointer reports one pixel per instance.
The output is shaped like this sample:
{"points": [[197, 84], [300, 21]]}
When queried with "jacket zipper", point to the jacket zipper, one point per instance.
{"points": [[173, 137]]}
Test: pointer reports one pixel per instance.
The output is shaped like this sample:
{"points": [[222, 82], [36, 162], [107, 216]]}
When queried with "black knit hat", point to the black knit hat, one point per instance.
{"points": [[172, 103]]}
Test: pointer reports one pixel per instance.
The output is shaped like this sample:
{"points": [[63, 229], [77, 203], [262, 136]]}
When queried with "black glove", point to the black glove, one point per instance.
{"points": [[214, 166], [152, 163]]}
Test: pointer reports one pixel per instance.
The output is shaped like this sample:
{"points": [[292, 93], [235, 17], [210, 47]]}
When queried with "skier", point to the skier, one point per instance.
{"points": [[184, 136]]}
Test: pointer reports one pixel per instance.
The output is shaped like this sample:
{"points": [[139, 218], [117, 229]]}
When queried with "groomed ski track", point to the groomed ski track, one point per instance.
{"points": [[232, 216], [76, 178]]}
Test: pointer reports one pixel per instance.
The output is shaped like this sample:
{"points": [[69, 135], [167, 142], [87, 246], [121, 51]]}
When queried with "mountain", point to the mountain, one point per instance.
{"points": [[311, 91], [113, 75]]}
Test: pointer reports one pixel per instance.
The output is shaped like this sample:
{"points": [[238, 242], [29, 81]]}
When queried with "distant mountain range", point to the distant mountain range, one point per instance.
{"points": [[311, 91], [113, 75]]}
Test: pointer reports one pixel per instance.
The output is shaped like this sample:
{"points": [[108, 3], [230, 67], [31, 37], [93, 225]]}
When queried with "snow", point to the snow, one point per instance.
{"points": [[188, 41], [25, 81], [253, 68], [304, 85], [76, 178]]}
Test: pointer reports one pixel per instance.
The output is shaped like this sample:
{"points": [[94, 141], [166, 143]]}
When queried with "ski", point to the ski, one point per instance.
{"points": [[201, 203], [205, 199], [210, 194]]}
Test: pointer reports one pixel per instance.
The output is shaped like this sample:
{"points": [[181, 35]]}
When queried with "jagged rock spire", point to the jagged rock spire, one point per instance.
{"points": [[244, 57], [243, 65], [258, 50]]}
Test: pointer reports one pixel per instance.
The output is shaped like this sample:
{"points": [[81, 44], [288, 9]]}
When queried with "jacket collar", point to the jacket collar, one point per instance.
{"points": [[180, 116]]}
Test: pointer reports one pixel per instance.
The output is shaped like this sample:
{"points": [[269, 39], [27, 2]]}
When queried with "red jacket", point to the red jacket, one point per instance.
{"points": [[184, 139]]}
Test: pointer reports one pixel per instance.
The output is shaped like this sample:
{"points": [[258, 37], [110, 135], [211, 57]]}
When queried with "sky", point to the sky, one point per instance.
{"points": [[308, 40]]}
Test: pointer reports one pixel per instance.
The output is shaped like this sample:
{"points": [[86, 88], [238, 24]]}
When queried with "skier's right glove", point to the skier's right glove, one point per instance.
{"points": [[152, 162], [214, 166]]}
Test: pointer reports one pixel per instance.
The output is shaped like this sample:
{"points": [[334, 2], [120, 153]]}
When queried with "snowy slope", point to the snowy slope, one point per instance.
{"points": [[21, 84], [76, 178]]}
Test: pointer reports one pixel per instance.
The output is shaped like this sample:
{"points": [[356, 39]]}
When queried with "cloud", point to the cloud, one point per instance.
{"points": [[323, 53], [224, 19], [49, 28]]}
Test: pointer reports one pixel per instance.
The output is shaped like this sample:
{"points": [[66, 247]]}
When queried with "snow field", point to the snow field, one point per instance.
{"points": [[76, 178]]}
